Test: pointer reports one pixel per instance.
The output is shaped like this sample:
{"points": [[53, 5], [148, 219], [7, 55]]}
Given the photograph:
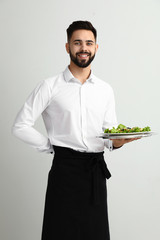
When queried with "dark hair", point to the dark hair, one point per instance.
{"points": [[77, 25]]}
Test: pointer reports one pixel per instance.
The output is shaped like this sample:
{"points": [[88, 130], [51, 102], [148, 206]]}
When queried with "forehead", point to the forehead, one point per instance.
{"points": [[83, 35]]}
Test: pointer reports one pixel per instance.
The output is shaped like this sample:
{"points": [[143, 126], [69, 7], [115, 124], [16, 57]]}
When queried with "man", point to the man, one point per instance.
{"points": [[76, 107]]}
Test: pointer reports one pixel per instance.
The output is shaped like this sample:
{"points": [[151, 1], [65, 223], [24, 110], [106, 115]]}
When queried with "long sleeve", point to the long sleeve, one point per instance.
{"points": [[23, 127], [110, 119]]}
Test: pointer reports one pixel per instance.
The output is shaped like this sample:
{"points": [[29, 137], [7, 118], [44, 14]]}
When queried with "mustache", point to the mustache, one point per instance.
{"points": [[83, 52]]}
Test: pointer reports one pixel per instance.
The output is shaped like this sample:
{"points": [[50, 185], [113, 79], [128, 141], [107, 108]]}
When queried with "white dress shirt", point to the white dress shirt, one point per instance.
{"points": [[74, 114]]}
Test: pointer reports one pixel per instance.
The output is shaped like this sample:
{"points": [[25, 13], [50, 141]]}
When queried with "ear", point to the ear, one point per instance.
{"points": [[97, 47], [67, 47]]}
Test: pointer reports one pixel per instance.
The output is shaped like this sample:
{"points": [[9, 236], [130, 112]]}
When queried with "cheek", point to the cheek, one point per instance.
{"points": [[73, 50]]}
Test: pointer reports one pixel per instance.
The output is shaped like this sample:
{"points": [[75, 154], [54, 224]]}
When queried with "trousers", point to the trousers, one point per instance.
{"points": [[76, 197]]}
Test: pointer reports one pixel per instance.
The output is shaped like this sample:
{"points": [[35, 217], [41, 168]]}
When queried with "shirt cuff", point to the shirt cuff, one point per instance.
{"points": [[109, 144], [50, 150]]}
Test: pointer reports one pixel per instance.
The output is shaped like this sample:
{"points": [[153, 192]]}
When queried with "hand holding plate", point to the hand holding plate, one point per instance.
{"points": [[120, 142]]}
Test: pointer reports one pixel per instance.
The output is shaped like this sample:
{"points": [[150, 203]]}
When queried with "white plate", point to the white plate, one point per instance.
{"points": [[126, 135]]}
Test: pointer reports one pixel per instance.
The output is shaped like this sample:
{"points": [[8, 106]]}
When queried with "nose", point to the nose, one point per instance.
{"points": [[83, 47]]}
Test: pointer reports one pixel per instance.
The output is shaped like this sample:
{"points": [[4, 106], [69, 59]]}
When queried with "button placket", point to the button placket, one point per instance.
{"points": [[83, 113]]}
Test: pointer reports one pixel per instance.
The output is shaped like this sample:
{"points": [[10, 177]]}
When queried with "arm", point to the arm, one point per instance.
{"points": [[110, 119], [117, 143], [31, 110]]}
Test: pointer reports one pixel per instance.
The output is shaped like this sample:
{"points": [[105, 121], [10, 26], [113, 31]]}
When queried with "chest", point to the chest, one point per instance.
{"points": [[78, 98]]}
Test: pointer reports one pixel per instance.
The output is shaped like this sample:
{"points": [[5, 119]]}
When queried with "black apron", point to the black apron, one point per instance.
{"points": [[76, 197]]}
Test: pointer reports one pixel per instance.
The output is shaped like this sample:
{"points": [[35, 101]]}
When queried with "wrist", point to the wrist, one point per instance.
{"points": [[117, 147], [116, 144]]}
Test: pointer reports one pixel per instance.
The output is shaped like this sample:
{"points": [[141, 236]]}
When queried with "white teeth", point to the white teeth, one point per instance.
{"points": [[83, 55]]}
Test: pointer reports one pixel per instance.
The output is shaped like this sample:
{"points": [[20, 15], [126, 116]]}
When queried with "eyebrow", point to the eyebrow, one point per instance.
{"points": [[79, 40]]}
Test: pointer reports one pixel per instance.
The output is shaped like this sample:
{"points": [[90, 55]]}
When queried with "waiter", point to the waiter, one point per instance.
{"points": [[76, 107]]}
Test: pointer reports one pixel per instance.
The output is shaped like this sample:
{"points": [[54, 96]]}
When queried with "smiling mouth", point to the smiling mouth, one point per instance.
{"points": [[83, 56]]}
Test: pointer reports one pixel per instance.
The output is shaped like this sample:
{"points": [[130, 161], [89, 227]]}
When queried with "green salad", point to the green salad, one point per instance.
{"points": [[123, 129]]}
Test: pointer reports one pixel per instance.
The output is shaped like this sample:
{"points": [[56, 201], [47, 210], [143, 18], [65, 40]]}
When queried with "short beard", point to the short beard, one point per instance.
{"points": [[82, 63]]}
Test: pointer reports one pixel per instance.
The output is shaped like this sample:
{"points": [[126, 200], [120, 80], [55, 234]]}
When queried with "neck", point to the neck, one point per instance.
{"points": [[81, 74]]}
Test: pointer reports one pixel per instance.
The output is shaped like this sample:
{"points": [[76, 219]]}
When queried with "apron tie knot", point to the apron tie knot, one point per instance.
{"points": [[98, 163]]}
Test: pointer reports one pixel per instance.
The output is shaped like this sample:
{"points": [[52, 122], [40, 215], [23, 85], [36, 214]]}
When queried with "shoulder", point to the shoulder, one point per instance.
{"points": [[51, 83], [103, 84], [46, 87]]}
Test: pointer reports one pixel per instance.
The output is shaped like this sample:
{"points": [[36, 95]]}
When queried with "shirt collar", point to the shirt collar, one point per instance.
{"points": [[68, 76]]}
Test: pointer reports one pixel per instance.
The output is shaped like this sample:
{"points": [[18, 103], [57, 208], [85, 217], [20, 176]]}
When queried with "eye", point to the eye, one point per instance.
{"points": [[77, 43], [89, 44]]}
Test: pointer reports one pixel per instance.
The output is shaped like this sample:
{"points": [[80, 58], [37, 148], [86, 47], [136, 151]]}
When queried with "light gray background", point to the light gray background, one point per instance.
{"points": [[32, 48]]}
